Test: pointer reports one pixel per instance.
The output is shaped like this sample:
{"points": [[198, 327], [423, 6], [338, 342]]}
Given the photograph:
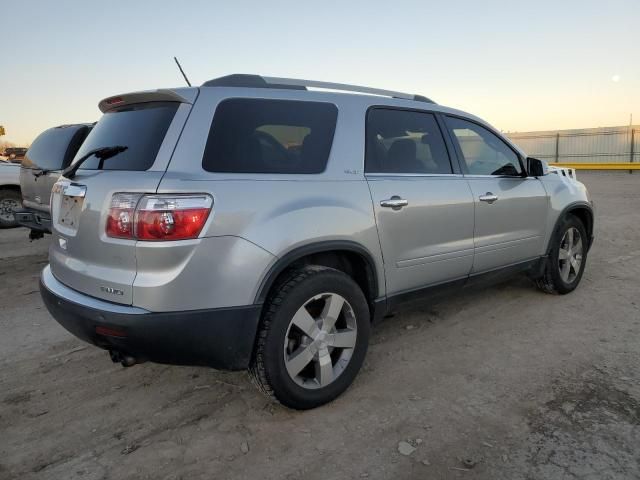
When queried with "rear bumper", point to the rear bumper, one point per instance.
{"points": [[220, 338], [34, 219]]}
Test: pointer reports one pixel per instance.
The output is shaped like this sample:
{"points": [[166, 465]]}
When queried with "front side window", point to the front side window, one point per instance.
{"points": [[484, 152], [251, 135], [403, 141]]}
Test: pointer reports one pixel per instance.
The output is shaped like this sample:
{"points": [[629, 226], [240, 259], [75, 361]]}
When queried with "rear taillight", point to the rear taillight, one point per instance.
{"points": [[171, 217], [158, 217], [120, 221]]}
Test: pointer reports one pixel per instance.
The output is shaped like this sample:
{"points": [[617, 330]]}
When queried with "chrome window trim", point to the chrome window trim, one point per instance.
{"points": [[459, 175], [418, 175], [500, 176]]}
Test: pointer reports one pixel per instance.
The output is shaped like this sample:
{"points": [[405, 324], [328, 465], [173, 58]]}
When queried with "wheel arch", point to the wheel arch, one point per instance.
{"points": [[582, 210], [11, 186], [346, 256]]}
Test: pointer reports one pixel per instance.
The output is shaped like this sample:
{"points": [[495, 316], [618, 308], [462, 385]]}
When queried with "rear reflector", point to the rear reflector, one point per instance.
{"points": [[158, 217], [110, 332]]}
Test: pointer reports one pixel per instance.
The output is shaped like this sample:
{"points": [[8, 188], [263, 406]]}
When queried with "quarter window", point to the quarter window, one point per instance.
{"points": [[484, 152], [403, 141], [270, 136]]}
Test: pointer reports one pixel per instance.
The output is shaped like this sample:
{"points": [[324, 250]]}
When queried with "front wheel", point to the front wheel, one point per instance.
{"points": [[567, 258], [313, 338]]}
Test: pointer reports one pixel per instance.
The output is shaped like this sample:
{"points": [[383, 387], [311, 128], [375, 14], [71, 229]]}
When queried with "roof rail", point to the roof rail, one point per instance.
{"points": [[257, 81]]}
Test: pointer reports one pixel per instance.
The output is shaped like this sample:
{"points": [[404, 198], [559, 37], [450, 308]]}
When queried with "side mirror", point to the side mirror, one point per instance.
{"points": [[536, 167]]}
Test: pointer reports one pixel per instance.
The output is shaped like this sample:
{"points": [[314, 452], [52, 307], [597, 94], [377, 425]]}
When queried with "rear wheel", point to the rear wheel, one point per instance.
{"points": [[313, 338], [10, 201], [566, 261]]}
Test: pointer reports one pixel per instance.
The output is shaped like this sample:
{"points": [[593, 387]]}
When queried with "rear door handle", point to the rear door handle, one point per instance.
{"points": [[488, 197], [394, 202]]}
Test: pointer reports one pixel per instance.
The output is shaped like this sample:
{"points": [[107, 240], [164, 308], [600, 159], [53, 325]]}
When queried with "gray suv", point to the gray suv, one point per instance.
{"points": [[48, 155], [256, 223]]}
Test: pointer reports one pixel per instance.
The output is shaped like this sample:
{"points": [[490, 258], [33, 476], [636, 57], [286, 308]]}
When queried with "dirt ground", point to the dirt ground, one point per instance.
{"points": [[499, 383]]}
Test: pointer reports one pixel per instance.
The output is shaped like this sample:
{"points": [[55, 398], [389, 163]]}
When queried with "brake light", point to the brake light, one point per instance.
{"points": [[157, 217], [114, 101], [172, 217], [120, 221]]}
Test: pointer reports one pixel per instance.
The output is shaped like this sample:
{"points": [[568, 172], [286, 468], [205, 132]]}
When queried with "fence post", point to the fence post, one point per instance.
{"points": [[557, 147], [632, 153]]}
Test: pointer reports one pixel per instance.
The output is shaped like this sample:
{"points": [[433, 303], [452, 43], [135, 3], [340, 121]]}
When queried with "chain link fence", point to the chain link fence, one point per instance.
{"points": [[586, 148]]}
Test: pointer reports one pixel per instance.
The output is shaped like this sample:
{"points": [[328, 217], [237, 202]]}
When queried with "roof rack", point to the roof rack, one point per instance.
{"points": [[257, 81]]}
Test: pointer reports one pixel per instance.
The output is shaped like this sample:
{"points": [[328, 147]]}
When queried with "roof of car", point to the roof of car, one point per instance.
{"points": [[297, 89], [258, 81], [333, 91]]}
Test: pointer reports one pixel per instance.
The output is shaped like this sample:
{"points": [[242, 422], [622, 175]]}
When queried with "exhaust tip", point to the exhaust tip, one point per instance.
{"points": [[128, 361], [123, 359]]}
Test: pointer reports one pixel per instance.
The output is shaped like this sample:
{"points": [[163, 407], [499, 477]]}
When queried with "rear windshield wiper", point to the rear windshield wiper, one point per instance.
{"points": [[103, 153]]}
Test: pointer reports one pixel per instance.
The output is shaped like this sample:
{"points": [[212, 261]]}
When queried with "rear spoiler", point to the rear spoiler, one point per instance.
{"points": [[181, 95]]}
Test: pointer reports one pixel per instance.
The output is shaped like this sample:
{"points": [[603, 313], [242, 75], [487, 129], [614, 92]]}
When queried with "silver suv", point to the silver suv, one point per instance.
{"points": [[254, 223]]}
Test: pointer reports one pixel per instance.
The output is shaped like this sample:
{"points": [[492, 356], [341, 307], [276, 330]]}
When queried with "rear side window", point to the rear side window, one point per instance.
{"points": [[141, 128], [270, 136], [54, 148], [403, 141]]}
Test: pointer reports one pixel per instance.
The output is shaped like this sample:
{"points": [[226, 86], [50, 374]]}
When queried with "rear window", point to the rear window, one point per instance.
{"points": [[54, 148], [270, 136], [141, 128]]}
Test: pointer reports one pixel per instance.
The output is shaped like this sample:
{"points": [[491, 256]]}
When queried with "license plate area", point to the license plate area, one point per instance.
{"points": [[70, 209], [71, 201]]}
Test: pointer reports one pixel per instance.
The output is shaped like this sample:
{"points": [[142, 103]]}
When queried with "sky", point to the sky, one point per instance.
{"points": [[532, 65]]}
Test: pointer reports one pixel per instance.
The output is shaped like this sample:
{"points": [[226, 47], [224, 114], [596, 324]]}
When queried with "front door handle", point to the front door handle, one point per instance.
{"points": [[488, 197], [394, 202]]}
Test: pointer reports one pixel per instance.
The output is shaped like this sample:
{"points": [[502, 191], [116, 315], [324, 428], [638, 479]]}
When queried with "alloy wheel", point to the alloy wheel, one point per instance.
{"points": [[320, 340], [570, 255]]}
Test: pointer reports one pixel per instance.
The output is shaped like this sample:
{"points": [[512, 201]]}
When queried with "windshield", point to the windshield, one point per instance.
{"points": [[141, 128]]}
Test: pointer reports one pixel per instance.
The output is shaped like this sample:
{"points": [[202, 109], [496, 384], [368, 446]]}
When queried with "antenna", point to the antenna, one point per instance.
{"points": [[182, 71]]}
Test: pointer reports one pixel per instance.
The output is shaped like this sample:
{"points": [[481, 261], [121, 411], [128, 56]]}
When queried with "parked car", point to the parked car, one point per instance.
{"points": [[15, 154], [10, 198], [251, 223], [50, 153]]}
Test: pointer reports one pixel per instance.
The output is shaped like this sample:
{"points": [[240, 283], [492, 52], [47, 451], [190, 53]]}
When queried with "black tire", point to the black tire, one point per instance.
{"points": [[551, 280], [8, 196], [268, 368]]}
